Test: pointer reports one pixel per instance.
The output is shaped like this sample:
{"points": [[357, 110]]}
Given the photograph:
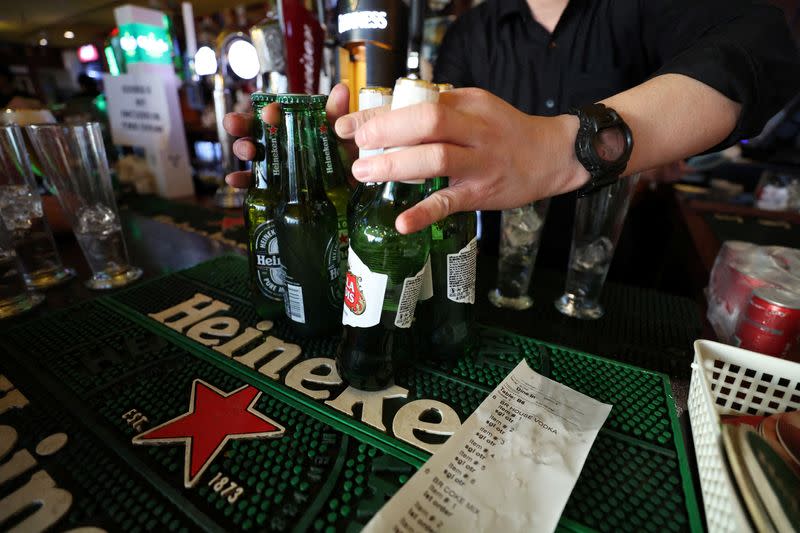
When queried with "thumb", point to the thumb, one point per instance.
{"points": [[338, 102], [432, 209], [347, 125]]}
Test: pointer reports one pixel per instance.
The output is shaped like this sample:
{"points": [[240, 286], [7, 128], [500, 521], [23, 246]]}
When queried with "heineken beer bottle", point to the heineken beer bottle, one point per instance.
{"points": [[368, 98], [333, 175], [266, 274], [446, 314], [306, 225], [385, 274]]}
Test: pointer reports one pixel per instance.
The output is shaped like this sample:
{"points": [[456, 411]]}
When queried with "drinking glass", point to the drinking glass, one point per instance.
{"points": [[520, 232], [15, 298], [21, 211], [75, 158], [599, 218], [22, 118]]}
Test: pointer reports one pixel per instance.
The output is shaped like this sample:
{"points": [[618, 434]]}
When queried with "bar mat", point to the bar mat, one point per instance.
{"points": [[204, 417]]}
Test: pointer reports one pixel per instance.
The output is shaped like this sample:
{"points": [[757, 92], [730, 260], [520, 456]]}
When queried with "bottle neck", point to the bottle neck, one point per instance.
{"points": [[400, 192], [267, 166], [327, 151], [301, 175]]}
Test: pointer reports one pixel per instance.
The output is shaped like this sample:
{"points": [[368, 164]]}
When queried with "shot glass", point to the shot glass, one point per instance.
{"points": [[520, 232], [75, 158], [599, 218], [21, 211], [15, 297]]}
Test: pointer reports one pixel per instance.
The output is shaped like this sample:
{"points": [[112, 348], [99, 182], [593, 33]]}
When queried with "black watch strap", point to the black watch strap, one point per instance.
{"points": [[593, 119]]}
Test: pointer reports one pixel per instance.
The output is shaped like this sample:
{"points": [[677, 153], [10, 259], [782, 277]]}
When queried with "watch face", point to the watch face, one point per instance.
{"points": [[609, 144]]}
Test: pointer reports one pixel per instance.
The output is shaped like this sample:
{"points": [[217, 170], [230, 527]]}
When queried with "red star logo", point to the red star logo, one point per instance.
{"points": [[273, 129], [323, 129], [214, 418]]}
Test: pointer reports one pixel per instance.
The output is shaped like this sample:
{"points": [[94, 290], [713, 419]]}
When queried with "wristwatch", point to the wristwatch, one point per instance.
{"points": [[603, 145]]}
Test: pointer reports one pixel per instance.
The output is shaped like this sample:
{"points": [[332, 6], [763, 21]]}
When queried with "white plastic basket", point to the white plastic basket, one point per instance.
{"points": [[727, 380]]}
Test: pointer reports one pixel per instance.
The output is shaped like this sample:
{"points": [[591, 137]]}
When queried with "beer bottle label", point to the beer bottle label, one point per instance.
{"points": [[461, 269], [293, 302], [408, 299], [364, 291], [426, 292], [269, 272], [333, 266]]}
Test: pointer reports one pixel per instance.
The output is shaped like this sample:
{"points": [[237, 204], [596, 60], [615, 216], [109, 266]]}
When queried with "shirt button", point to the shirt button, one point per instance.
{"points": [[549, 103], [552, 44]]}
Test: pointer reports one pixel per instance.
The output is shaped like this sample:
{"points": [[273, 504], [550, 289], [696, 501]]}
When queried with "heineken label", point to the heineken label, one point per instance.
{"points": [[408, 299], [461, 269], [364, 292], [426, 293], [326, 149], [269, 272], [274, 151]]}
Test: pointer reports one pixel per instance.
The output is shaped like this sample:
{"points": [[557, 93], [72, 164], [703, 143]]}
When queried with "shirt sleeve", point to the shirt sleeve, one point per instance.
{"points": [[451, 64], [740, 48]]}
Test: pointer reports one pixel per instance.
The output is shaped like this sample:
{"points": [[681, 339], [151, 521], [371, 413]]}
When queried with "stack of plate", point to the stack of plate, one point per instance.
{"points": [[763, 464]]}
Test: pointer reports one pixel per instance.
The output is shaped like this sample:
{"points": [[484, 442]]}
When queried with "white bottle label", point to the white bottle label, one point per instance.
{"points": [[364, 291], [461, 269], [408, 299], [426, 293], [293, 301]]}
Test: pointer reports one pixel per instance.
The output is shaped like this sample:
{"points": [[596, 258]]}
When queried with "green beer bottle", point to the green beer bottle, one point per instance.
{"points": [[445, 320], [306, 225], [368, 98], [446, 314], [266, 273], [385, 274], [333, 176]]}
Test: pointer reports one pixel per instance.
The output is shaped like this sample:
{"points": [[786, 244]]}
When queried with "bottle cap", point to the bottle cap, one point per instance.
{"points": [[318, 101], [409, 92], [259, 97], [293, 99], [369, 98], [259, 100]]}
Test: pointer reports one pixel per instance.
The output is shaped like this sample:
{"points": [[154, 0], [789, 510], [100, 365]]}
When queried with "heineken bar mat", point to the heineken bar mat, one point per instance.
{"points": [[172, 406]]}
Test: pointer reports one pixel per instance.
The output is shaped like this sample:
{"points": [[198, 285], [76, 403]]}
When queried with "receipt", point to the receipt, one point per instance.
{"points": [[511, 466]]}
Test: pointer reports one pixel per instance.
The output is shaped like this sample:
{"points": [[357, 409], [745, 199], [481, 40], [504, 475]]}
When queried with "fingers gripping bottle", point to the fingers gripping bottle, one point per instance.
{"points": [[306, 225], [385, 274]]}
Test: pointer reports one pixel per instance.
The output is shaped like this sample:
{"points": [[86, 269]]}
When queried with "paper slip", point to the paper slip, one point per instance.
{"points": [[511, 466]]}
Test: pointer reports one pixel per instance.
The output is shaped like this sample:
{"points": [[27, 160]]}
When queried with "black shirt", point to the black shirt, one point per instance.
{"points": [[602, 47]]}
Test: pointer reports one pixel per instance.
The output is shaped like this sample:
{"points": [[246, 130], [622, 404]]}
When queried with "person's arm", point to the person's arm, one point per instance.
{"points": [[714, 83]]}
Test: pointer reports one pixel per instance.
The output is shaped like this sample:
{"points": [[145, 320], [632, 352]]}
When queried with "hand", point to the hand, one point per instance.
{"points": [[239, 124], [496, 156]]}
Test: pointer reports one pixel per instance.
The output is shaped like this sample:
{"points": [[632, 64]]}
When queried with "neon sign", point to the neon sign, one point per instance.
{"points": [[145, 43]]}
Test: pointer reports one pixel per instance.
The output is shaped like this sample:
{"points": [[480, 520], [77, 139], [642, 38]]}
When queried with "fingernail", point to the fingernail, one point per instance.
{"points": [[345, 126], [361, 168]]}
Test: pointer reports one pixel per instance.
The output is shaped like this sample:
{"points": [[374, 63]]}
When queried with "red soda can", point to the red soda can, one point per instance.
{"points": [[770, 323]]}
